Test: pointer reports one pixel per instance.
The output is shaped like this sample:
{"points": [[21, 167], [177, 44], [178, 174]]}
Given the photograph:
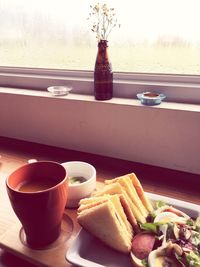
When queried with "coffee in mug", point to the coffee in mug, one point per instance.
{"points": [[38, 194]]}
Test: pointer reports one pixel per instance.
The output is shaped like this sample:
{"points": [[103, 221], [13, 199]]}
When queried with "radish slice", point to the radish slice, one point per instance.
{"points": [[142, 245]]}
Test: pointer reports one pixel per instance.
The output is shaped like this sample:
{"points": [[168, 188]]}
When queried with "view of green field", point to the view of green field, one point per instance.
{"points": [[132, 58]]}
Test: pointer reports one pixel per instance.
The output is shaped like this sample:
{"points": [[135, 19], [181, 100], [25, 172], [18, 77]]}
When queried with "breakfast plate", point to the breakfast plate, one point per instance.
{"points": [[87, 251]]}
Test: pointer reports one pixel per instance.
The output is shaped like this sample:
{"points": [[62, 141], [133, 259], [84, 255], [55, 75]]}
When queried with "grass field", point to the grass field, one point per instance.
{"points": [[133, 58]]}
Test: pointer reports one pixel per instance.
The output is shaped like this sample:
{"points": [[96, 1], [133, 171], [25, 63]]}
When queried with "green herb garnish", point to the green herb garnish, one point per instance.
{"points": [[76, 180], [160, 204], [145, 263]]}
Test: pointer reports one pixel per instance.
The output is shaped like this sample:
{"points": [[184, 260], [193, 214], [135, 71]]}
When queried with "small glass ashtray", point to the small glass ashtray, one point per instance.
{"points": [[151, 98], [59, 90]]}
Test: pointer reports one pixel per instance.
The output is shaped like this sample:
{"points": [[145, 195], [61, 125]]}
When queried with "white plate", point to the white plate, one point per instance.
{"points": [[87, 251]]}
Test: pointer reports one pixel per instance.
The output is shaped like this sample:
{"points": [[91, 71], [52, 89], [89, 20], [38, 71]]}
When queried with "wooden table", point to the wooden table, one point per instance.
{"points": [[14, 153]]}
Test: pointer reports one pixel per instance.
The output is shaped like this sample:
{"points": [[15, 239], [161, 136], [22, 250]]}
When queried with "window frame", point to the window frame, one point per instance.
{"points": [[177, 88]]}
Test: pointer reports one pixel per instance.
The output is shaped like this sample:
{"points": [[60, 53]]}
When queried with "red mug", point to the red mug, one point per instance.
{"points": [[38, 195]]}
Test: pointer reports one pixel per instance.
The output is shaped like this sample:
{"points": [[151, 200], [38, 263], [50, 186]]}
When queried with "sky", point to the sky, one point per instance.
{"points": [[139, 19]]}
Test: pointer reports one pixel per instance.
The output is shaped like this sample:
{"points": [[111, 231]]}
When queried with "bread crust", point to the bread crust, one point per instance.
{"points": [[103, 221]]}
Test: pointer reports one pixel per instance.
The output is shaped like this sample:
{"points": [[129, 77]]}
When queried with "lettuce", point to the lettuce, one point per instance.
{"points": [[197, 224], [195, 238], [193, 259], [144, 263], [190, 222], [151, 227], [160, 204]]}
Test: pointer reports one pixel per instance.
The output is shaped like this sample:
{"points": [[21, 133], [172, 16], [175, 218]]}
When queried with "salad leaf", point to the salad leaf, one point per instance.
{"points": [[193, 259], [195, 238], [151, 227], [144, 263], [197, 224], [160, 204], [190, 222]]}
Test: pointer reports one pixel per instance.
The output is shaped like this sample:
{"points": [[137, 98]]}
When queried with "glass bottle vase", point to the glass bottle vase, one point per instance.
{"points": [[103, 75]]}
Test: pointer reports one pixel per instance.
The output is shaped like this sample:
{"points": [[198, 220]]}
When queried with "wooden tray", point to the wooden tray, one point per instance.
{"points": [[12, 238], [14, 241]]}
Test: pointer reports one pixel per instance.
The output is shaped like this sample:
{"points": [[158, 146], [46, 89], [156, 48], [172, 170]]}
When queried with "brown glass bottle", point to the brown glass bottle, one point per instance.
{"points": [[103, 75]]}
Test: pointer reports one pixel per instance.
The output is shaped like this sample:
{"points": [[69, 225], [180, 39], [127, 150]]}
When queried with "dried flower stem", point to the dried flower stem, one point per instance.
{"points": [[103, 20]]}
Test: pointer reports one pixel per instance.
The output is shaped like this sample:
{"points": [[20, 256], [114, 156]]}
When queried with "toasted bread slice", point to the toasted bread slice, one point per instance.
{"points": [[117, 202], [89, 202], [127, 184], [92, 199], [146, 202], [117, 188], [137, 188], [104, 222]]}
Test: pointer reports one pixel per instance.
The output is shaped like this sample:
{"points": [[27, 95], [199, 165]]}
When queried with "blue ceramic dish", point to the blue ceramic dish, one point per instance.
{"points": [[151, 98]]}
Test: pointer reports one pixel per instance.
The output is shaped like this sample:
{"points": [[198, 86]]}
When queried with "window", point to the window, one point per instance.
{"points": [[155, 36], [156, 48]]}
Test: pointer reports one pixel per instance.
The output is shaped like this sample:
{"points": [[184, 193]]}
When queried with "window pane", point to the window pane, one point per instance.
{"points": [[156, 36]]}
